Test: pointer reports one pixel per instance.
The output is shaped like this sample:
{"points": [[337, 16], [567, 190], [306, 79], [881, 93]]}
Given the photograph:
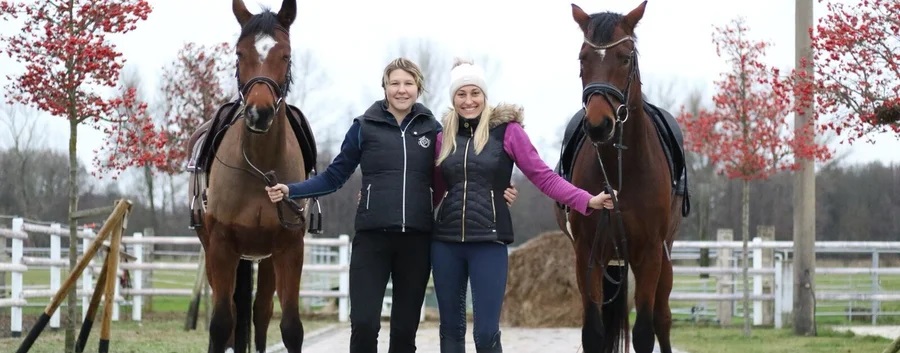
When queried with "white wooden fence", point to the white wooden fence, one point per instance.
{"points": [[771, 273], [19, 264]]}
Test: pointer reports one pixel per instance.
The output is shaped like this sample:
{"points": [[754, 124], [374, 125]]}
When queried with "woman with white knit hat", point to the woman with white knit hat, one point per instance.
{"points": [[475, 154]]}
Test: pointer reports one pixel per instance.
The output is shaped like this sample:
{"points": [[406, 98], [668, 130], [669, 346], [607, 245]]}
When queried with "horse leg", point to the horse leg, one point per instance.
{"points": [[220, 268], [646, 275], [662, 315], [592, 324], [288, 267], [262, 305], [243, 295]]}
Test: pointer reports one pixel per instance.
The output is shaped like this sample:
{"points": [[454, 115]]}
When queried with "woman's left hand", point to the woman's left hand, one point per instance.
{"points": [[510, 195], [277, 192]]}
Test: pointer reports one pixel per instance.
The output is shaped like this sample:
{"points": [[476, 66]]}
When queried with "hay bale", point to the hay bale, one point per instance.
{"points": [[541, 289]]}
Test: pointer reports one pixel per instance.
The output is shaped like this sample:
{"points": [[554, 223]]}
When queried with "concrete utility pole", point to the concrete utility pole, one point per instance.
{"points": [[804, 192]]}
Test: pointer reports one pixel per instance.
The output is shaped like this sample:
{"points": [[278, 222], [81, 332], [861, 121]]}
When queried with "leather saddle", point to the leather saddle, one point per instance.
{"points": [[204, 143], [667, 130]]}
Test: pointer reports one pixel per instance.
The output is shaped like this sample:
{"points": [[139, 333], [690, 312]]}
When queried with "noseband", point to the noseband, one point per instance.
{"points": [[278, 91]]}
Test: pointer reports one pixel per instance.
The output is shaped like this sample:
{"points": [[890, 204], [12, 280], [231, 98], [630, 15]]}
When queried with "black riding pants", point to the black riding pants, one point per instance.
{"points": [[377, 256]]}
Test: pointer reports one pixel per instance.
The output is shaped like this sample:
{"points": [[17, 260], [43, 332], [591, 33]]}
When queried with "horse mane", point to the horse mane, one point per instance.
{"points": [[265, 23], [602, 25]]}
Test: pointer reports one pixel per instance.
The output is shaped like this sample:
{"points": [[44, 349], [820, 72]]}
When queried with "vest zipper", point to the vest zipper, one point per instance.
{"points": [[368, 194], [493, 209], [465, 186], [403, 141]]}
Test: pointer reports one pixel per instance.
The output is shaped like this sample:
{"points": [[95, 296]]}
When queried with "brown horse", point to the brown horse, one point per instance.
{"points": [[240, 224], [622, 151]]}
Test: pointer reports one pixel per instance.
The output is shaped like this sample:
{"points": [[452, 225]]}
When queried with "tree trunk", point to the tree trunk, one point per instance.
{"points": [[172, 194], [804, 311], [148, 178], [72, 302], [745, 230]]}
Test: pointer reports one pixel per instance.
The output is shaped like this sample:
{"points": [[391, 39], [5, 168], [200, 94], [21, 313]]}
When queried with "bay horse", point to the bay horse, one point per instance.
{"points": [[239, 223], [633, 147]]}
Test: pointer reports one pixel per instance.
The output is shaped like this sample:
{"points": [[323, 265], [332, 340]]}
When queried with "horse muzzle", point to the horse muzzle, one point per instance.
{"points": [[259, 120]]}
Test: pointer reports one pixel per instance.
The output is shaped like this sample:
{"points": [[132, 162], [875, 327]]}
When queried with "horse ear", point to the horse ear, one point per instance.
{"points": [[240, 12], [581, 17], [632, 18], [287, 13]]}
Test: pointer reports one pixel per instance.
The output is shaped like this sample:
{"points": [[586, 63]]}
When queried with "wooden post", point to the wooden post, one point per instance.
{"points": [[113, 224], [148, 274], [91, 309], [725, 281], [112, 267], [804, 188], [767, 233]]}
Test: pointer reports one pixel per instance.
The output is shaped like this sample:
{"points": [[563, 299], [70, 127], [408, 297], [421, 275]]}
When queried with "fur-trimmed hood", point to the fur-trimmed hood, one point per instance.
{"points": [[500, 113]]}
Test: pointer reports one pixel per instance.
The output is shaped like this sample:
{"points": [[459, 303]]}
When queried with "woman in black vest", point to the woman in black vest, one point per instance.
{"points": [[393, 144], [476, 152]]}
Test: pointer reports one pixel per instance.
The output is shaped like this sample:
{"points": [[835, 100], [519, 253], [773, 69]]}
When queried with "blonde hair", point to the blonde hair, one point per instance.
{"points": [[451, 126], [407, 65]]}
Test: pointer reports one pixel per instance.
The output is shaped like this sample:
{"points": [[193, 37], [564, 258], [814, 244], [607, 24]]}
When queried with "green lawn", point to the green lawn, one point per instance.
{"points": [[712, 339]]}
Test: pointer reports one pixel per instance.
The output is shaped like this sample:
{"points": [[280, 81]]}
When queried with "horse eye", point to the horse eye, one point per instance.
{"points": [[287, 58]]}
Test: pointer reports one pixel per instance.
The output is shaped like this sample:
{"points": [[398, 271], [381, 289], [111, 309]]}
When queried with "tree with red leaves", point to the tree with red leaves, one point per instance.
{"points": [[67, 57], [857, 67], [747, 135], [195, 85]]}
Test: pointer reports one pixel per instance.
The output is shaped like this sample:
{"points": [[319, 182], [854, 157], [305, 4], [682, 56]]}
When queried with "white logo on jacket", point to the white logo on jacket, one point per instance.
{"points": [[424, 142]]}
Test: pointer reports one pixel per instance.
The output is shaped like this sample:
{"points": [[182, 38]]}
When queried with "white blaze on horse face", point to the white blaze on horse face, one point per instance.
{"points": [[264, 44], [601, 52]]}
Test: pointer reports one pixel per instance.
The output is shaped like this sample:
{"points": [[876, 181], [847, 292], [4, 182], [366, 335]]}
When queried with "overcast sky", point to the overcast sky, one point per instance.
{"points": [[535, 45]]}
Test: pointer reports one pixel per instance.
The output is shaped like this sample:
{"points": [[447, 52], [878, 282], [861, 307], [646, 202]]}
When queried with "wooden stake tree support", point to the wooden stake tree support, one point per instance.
{"points": [[105, 288]]}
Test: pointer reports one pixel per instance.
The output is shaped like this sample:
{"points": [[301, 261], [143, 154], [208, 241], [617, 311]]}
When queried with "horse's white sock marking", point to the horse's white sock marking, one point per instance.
{"points": [[264, 43], [229, 350]]}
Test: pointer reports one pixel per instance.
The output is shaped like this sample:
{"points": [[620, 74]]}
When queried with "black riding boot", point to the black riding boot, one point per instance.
{"points": [[493, 346], [450, 345]]}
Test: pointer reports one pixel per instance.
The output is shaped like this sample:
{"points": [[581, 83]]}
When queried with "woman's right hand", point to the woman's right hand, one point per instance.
{"points": [[602, 200], [277, 192]]}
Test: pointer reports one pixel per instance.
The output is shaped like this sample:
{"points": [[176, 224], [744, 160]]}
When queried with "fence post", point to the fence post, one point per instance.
{"points": [[787, 286], [344, 278], [137, 300], [767, 233], [15, 312], [757, 280], [55, 254], [148, 275], [4, 293], [725, 281], [876, 287], [87, 276], [779, 290]]}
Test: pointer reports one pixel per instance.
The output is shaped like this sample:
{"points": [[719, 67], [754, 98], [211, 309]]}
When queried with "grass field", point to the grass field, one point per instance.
{"points": [[712, 339]]}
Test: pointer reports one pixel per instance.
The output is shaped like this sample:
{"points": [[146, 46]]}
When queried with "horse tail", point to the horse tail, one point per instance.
{"points": [[615, 309], [243, 298]]}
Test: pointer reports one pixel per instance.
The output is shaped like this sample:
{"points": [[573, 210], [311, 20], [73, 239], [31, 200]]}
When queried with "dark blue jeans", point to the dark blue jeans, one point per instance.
{"points": [[484, 264]]}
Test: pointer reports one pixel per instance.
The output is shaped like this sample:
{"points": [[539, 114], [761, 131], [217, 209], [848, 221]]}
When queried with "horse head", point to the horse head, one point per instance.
{"points": [[611, 84], [263, 68]]}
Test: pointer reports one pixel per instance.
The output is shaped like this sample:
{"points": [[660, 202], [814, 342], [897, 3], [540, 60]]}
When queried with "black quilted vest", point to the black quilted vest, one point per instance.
{"points": [[474, 209], [397, 167]]}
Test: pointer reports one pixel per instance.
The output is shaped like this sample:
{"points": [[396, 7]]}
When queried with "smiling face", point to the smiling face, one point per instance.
{"points": [[468, 101], [401, 91]]}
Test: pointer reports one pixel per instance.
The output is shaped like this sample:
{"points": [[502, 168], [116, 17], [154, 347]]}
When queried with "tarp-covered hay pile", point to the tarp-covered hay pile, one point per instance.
{"points": [[542, 290]]}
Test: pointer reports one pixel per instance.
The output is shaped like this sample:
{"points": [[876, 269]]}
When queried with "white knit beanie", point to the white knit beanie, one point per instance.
{"points": [[464, 73]]}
